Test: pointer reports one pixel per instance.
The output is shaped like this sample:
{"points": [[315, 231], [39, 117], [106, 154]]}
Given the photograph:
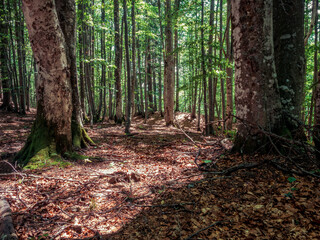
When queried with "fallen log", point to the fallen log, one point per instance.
{"points": [[7, 231]]}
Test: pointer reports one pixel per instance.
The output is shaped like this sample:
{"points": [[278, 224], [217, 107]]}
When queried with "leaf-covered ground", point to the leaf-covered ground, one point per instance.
{"points": [[147, 186]]}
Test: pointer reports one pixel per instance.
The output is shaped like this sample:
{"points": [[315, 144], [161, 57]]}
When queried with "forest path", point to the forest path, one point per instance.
{"points": [[147, 186], [124, 175]]}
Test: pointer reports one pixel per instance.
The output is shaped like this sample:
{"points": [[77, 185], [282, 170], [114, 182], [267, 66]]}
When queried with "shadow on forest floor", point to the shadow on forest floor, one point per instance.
{"points": [[147, 186]]}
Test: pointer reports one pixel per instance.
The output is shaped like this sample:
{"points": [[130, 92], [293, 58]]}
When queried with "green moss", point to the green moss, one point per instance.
{"points": [[45, 158], [39, 139], [76, 134], [75, 156]]}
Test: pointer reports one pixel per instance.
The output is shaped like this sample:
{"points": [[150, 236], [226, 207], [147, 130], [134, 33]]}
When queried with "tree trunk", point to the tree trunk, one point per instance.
{"points": [[169, 68], [288, 21], [316, 131], [146, 64], [66, 10], [229, 71], [117, 71], [129, 95], [223, 97], [210, 85], [204, 72], [134, 74], [141, 99], [256, 94], [51, 131], [7, 231], [5, 78]]}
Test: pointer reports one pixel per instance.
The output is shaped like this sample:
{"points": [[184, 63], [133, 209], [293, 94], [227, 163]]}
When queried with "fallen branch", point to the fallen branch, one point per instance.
{"points": [[6, 226], [198, 146]]}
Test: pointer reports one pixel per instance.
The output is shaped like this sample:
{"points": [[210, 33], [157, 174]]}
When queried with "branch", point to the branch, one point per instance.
{"points": [[313, 20]]}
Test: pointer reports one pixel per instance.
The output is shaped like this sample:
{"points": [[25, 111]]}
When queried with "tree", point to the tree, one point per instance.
{"points": [[256, 95], [4, 73], [117, 71], [210, 53], [288, 26], [129, 95], [54, 52], [66, 10], [229, 70], [169, 68]]}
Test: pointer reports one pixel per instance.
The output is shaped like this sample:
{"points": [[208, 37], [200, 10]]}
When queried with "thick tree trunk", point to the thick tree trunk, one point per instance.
{"points": [[256, 95], [66, 10], [288, 21], [52, 128]]}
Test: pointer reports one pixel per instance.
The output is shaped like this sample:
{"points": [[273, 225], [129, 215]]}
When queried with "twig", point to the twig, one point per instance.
{"points": [[198, 146], [203, 229]]}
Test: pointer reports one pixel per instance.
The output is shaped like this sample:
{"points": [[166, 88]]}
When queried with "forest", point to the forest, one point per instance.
{"points": [[159, 119]]}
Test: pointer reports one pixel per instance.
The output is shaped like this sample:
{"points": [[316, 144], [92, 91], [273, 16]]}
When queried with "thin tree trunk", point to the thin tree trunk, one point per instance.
{"points": [[134, 74], [129, 90], [146, 64], [141, 99], [169, 68], [117, 71], [210, 85], [5, 78], [223, 101], [229, 71], [204, 72]]}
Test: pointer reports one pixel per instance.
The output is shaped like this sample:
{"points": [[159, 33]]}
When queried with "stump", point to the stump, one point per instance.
{"points": [[7, 231]]}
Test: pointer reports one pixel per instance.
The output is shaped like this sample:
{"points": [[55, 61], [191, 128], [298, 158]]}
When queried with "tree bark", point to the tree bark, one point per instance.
{"points": [[5, 78], [256, 94], [7, 231], [169, 68], [129, 95], [66, 10], [204, 73], [134, 74], [229, 108], [117, 71], [210, 84], [288, 22], [52, 127]]}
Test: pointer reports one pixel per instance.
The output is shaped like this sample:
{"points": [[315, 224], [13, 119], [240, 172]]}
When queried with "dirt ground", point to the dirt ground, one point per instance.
{"points": [[147, 186]]}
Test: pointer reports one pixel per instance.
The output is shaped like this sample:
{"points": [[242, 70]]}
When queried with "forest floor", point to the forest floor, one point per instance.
{"points": [[147, 186]]}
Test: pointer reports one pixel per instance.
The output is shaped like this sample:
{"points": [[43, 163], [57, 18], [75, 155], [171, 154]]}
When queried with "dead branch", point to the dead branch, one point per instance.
{"points": [[6, 226]]}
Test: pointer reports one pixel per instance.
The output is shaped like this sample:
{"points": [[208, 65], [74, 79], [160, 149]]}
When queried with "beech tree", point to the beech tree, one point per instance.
{"points": [[169, 68], [53, 45], [288, 26], [117, 71], [256, 93]]}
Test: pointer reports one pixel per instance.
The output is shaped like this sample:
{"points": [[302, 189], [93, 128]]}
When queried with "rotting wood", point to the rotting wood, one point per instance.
{"points": [[7, 231]]}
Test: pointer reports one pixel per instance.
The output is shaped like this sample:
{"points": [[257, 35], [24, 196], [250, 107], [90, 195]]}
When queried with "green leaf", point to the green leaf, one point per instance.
{"points": [[291, 179]]}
